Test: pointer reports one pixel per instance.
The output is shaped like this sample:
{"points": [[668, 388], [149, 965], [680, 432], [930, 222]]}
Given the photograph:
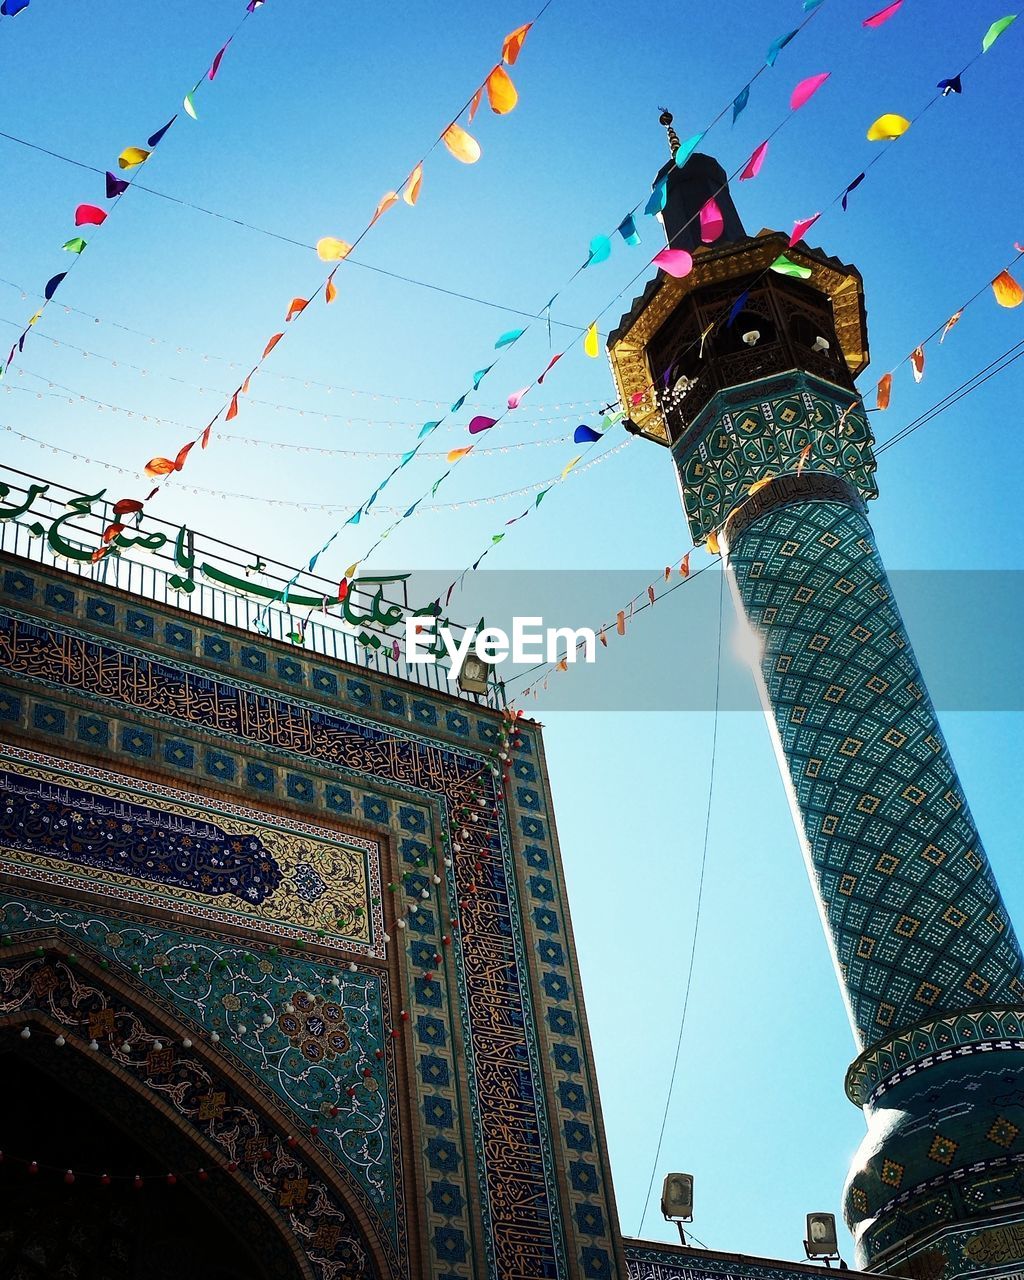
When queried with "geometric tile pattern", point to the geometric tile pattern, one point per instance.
{"points": [[394, 751], [737, 442], [909, 900]]}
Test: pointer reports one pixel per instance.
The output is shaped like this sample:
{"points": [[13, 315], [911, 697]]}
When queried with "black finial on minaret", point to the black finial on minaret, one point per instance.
{"points": [[665, 120]]}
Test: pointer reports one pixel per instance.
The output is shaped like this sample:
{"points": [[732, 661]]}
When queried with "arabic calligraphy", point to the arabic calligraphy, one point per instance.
{"points": [[380, 615]]}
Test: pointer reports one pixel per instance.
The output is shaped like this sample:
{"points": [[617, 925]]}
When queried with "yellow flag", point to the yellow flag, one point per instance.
{"points": [[569, 466], [888, 127], [130, 157], [328, 249], [412, 187], [590, 341], [461, 144], [501, 92], [455, 454]]}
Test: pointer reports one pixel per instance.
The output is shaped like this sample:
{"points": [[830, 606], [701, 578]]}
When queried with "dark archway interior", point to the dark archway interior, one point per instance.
{"points": [[61, 1111]]}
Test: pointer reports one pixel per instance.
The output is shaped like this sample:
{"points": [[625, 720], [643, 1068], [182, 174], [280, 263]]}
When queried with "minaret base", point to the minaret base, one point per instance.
{"points": [[936, 1190]]}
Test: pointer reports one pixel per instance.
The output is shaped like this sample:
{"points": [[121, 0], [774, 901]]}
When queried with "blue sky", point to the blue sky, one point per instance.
{"points": [[320, 108]]}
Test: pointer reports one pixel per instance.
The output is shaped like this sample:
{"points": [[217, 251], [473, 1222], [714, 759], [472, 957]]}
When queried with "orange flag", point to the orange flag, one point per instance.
{"points": [[603, 638], [475, 103], [159, 467], [204, 439], [330, 290], [668, 572], [245, 384], [461, 144], [501, 92], [412, 185], [513, 43], [684, 567], [917, 363], [455, 455], [271, 345], [650, 594], [801, 462], [232, 408], [953, 319], [712, 543], [384, 204], [563, 665], [620, 622], [884, 391], [1008, 292], [297, 305]]}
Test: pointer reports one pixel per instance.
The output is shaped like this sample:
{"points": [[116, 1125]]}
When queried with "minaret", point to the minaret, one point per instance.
{"points": [[744, 370]]}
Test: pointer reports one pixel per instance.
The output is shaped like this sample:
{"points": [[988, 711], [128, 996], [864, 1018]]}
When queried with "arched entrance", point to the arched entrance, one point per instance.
{"points": [[127, 1093]]}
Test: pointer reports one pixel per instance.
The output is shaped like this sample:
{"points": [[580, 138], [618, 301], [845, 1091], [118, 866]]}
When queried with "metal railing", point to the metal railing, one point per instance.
{"points": [[30, 507]]}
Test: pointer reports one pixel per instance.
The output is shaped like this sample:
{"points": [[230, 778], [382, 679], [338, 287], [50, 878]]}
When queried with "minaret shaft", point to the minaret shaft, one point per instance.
{"points": [[915, 919]]}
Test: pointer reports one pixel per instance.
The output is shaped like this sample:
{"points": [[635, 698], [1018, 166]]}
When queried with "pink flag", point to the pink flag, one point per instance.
{"points": [[801, 228], [516, 397], [711, 222], [674, 262], [215, 65], [806, 89], [753, 167], [883, 15]]}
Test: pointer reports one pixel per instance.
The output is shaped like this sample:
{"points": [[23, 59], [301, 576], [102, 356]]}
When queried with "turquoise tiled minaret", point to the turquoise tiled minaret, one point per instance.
{"points": [[744, 369]]}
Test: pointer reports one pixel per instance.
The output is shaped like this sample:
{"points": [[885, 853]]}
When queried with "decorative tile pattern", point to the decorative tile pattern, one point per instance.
{"points": [[891, 836], [459, 1022]]}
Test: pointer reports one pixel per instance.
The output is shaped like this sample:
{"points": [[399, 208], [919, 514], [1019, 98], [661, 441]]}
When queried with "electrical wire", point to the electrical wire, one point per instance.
{"points": [[697, 909]]}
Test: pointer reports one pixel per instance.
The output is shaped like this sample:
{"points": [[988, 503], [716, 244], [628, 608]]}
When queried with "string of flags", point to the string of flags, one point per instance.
{"points": [[1004, 289], [129, 161], [674, 261], [647, 597], [502, 98]]}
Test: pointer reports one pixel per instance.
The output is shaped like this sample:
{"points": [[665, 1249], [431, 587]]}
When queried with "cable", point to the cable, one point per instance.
{"points": [[696, 917]]}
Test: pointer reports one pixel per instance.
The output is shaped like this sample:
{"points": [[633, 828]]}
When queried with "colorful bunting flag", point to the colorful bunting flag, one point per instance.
{"points": [[1008, 292], [600, 251], [787, 267], [590, 341], [917, 363], [479, 376], [501, 92], [53, 284], [11, 7], [712, 224], [475, 103], [296, 305], [215, 64], [883, 15], [550, 365], [686, 149], [852, 187], [674, 262], [627, 229], [462, 145], [132, 157], [884, 391], [753, 166], [777, 46], [330, 289], [89, 215], [271, 345], [740, 103], [506, 339], [737, 307], [411, 190], [330, 249], [888, 128], [513, 43], [115, 186], [481, 423], [585, 435], [75, 245], [569, 465], [155, 138], [658, 198], [996, 30], [515, 399], [953, 85], [801, 228], [953, 320], [806, 90]]}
